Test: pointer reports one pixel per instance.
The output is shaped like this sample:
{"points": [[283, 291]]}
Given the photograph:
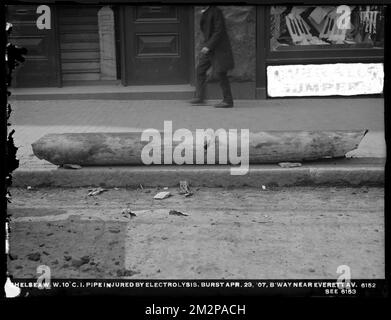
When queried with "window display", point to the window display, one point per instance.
{"points": [[316, 27]]}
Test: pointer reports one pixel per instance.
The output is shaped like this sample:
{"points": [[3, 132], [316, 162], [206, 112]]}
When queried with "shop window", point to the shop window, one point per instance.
{"points": [[333, 27]]}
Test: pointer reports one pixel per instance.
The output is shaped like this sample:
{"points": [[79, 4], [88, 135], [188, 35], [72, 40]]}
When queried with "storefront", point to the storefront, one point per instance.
{"points": [[157, 45], [321, 35]]}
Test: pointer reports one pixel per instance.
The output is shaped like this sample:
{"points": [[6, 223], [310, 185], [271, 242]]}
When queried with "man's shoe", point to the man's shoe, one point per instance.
{"points": [[197, 102], [224, 104]]}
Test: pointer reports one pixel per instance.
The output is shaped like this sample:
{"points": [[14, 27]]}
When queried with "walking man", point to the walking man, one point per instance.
{"points": [[216, 52]]}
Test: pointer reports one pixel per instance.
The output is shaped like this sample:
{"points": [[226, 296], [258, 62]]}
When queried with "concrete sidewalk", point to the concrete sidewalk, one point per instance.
{"points": [[34, 119]]}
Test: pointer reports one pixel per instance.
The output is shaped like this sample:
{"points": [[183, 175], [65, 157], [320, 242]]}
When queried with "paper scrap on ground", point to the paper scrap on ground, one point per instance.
{"points": [[97, 191], [162, 195], [289, 164]]}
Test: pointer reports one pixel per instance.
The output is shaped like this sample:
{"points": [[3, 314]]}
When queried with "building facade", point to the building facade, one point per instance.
{"points": [[159, 45]]}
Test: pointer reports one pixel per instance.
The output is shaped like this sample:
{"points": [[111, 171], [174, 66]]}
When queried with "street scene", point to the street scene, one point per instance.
{"points": [[286, 230], [85, 201]]}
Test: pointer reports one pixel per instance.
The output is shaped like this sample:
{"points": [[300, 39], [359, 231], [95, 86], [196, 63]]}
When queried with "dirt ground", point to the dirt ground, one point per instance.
{"points": [[278, 233]]}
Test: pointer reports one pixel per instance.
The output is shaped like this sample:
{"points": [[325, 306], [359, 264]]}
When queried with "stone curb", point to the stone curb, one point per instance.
{"points": [[205, 176]]}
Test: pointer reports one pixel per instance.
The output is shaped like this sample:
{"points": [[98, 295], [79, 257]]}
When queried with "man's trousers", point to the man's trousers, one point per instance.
{"points": [[203, 65]]}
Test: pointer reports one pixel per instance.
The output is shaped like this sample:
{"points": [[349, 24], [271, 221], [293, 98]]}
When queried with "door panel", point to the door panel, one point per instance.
{"points": [[156, 44], [156, 13], [41, 66]]}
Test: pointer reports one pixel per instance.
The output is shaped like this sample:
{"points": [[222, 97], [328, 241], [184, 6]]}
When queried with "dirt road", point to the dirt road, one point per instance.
{"points": [[227, 233]]}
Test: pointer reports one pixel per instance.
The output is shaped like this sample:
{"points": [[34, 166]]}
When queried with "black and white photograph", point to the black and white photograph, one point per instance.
{"points": [[195, 146]]}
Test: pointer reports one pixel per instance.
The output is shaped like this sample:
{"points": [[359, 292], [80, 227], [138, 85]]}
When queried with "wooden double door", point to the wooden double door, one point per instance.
{"points": [[157, 45]]}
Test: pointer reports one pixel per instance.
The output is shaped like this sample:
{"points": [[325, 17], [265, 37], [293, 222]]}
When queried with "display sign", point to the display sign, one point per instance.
{"points": [[344, 79]]}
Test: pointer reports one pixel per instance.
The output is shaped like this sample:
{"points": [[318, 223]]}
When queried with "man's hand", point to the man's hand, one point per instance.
{"points": [[204, 50]]}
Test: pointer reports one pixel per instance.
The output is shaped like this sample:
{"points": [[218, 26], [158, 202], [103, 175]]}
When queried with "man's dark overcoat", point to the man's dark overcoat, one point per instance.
{"points": [[213, 28]]}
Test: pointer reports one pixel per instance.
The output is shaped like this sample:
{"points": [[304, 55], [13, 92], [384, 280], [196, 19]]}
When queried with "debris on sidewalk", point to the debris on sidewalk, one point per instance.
{"points": [[70, 166], [126, 273], [162, 195], [13, 256], [184, 188], [177, 213], [95, 192], [29, 187], [142, 189], [79, 262], [126, 212], [34, 256], [263, 187], [289, 164]]}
